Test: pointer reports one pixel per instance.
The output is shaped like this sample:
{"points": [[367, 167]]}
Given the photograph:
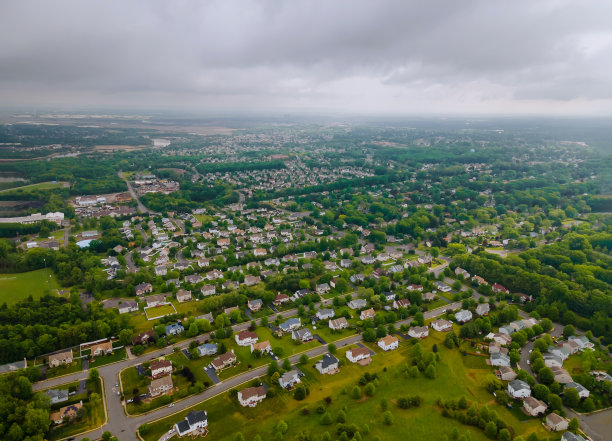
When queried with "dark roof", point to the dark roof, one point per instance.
{"points": [[328, 360], [195, 417]]}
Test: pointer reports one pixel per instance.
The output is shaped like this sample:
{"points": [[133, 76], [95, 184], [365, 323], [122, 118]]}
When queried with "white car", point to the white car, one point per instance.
{"points": [[172, 405]]}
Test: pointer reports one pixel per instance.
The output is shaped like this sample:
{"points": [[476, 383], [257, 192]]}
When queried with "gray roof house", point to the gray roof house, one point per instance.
{"points": [[288, 379], [302, 335], [499, 359], [192, 422], [327, 364], [290, 324], [357, 304], [57, 395], [324, 314], [207, 349], [463, 316], [174, 329]]}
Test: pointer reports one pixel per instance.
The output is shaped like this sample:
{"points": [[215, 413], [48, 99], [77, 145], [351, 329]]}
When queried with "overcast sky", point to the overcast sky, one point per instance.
{"points": [[406, 57]]}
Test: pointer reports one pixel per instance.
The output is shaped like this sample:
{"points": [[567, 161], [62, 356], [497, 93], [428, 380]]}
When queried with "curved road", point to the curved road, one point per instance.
{"points": [[141, 207]]}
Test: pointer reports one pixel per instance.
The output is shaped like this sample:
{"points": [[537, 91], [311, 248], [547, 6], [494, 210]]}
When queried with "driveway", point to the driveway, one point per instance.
{"points": [[212, 374]]}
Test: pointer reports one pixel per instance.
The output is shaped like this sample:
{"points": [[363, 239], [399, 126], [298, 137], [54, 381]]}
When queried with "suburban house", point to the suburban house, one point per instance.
{"points": [[463, 316], [494, 347], [250, 396], [559, 352], [418, 331], [208, 290], [327, 365], [174, 329], [571, 347], [357, 304], [207, 349], [160, 386], [505, 373], [534, 407], [255, 305], [499, 359], [483, 309], [224, 360], [183, 295], [339, 323], [401, 303], [127, 306], [463, 272], [60, 358], [290, 324], [264, 347], [193, 279], [302, 335], [582, 341], [250, 280], [214, 275], [442, 325], [357, 354], [499, 288], [155, 300], [367, 314], [556, 423], [551, 360], [246, 338], [289, 379], [104, 348], [143, 288], [441, 286], [143, 338], [280, 299], [569, 436], [502, 339], [414, 287], [192, 422], [67, 412], [561, 375], [429, 297], [519, 389], [160, 368], [388, 343], [57, 395], [325, 314], [583, 392]]}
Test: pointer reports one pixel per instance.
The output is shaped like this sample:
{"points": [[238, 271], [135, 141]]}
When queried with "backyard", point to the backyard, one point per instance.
{"points": [[453, 381]]}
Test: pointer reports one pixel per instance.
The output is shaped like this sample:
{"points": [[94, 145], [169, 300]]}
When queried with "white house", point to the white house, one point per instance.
{"points": [[583, 392], [192, 422], [289, 379], [551, 360], [251, 396], [324, 314], [463, 316], [418, 331], [356, 354], [556, 423], [442, 325], [327, 365], [499, 359], [339, 323], [519, 389], [582, 341], [483, 309], [246, 338], [388, 343]]}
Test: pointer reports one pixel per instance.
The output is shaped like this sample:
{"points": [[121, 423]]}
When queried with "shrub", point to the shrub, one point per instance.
{"points": [[388, 418], [326, 419], [355, 393]]}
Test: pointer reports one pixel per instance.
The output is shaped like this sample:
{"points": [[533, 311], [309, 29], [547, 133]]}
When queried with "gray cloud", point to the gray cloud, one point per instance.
{"points": [[367, 56]]}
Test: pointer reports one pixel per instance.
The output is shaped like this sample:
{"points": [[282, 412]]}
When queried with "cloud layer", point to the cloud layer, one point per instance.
{"points": [[348, 56]]}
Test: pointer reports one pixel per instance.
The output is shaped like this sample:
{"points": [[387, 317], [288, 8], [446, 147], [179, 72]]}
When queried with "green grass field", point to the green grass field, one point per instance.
{"points": [[117, 355], [35, 187], [19, 286], [75, 366], [453, 380], [159, 311]]}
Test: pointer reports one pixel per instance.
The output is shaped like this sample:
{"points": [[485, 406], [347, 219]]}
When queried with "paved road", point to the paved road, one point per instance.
{"points": [[131, 266], [66, 236], [141, 207]]}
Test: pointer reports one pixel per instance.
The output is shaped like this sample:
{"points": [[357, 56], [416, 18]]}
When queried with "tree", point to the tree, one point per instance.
{"points": [[326, 419], [286, 364], [504, 435], [144, 429], [239, 437], [301, 392], [332, 348], [491, 429], [546, 375], [192, 331], [388, 418], [282, 427], [370, 389], [125, 337], [430, 372], [571, 397], [93, 375], [341, 417], [303, 359], [569, 330], [355, 393], [573, 425]]}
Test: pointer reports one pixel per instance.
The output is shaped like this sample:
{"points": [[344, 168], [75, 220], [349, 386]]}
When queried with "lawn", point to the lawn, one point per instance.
{"points": [[117, 355], [35, 187], [19, 286], [75, 366], [159, 311], [93, 419], [453, 380]]}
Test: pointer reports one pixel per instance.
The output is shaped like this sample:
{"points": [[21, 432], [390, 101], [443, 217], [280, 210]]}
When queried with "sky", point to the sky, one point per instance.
{"points": [[366, 57]]}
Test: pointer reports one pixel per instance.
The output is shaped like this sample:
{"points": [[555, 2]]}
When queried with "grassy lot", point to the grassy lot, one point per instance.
{"points": [[140, 323], [289, 347], [117, 355], [35, 187], [160, 311], [329, 335], [19, 286], [75, 366], [93, 419], [453, 380]]}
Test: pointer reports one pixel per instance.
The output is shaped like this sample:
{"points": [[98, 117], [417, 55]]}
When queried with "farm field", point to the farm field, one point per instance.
{"points": [[454, 380], [19, 286]]}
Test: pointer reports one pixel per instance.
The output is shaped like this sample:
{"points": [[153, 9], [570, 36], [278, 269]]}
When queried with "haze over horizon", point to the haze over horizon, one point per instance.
{"points": [[364, 57]]}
